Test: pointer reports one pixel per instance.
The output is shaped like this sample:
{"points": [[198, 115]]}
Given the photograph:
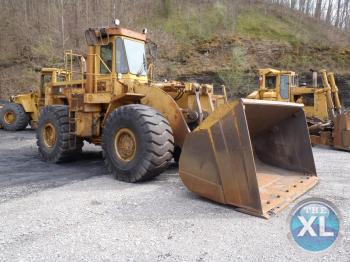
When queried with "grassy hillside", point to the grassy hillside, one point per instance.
{"points": [[212, 42], [230, 50]]}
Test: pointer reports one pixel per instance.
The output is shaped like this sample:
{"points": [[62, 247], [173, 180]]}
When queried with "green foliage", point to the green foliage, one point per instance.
{"points": [[286, 61], [167, 8], [45, 49], [28, 78], [237, 81], [184, 52], [258, 25], [193, 25], [282, 26]]}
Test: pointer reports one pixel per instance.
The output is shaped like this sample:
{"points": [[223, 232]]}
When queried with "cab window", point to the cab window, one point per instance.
{"points": [[135, 54], [285, 86], [106, 55], [122, 64], [270, 82]]}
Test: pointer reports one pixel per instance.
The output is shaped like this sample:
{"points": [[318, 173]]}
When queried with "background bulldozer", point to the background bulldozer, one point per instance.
{"points": [[328, 122], [241, 153]]}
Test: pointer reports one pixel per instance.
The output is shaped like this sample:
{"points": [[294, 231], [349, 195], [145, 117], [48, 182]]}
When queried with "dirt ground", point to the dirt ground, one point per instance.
{"points": [[78, 212]]}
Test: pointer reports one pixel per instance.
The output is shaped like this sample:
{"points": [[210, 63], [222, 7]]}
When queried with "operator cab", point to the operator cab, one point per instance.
{"points": [[276, 84], [130, 57], [117, 52], [51, 76]]}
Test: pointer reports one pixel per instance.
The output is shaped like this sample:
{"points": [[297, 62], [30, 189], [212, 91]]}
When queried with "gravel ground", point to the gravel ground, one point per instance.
{"points": [[77, 212]]}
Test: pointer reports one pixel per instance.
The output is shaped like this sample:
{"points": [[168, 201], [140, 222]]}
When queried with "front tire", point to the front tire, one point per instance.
{"points": [[137, 143], [13, 117], [53, 138]]}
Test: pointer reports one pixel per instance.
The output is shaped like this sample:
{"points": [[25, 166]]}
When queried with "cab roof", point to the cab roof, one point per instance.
{"points": [[94, 36], [265, 71], [119, 31]]}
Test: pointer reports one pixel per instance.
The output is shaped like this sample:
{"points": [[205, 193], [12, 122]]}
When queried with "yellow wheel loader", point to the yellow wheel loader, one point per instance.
{"points": [[23, 109], [328, 122], [19, 111], [246, 154]]}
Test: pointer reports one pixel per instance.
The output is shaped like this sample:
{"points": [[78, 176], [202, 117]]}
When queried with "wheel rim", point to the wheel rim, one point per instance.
{"points": [[125, 144], [9, 117], [49, 134]]}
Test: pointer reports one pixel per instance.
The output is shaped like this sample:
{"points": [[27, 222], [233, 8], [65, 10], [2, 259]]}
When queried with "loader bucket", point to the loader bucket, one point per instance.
{"points": [[255, 155]]}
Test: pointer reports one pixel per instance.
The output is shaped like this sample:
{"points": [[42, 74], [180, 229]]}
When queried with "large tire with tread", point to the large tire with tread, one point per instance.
{"points": [[153, 139], [62, 147], [13, 117], [2, 103]]}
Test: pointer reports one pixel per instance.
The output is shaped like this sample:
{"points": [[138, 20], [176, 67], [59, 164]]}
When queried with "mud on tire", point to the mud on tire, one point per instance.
{"points": [[153, 137], [13, 117], [57, 149]]}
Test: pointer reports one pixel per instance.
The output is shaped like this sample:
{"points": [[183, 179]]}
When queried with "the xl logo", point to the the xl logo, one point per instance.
{"points": [[308, 227], [315, 224]]}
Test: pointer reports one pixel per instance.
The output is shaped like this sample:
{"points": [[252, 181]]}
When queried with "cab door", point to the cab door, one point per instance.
{"points": [[105, 68], [284, 87]]}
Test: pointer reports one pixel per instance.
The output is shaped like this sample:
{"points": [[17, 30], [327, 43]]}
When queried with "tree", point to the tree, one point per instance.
{"points": [[302, 6], [318, 9], [62, 23], [329, 12], [293, 4], [337, 17]]}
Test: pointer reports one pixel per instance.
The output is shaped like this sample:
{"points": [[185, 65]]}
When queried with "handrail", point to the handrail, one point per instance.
{"points": [[103, 63], [69, 55]]}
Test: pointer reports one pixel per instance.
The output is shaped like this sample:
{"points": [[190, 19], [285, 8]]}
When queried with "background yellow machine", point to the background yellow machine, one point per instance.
{"points": [[242, 153], [19, 111], [329, 123], [23, 109]]}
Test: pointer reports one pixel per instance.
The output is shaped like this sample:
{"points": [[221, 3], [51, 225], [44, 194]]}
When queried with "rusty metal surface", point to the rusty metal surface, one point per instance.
{"points": [[341, 133], [165, 104], [77, 102], [120, 100], [255, 155], [323, 138], [90, 64], [338, 136], [125, 32]]}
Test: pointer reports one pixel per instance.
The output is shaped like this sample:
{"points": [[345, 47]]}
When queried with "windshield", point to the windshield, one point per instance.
{"points": [[134, 56], [285, 86], [270, 82]]}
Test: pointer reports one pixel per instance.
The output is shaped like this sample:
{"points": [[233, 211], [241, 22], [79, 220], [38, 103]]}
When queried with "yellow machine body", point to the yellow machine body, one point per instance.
{"points": [[29, 102], [32, 102], [328, 122], [246, 154]]}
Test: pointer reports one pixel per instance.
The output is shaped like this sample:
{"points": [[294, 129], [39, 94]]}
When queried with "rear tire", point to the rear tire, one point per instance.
{"points": [[137, 143], [53, 137], [13, 117]]}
